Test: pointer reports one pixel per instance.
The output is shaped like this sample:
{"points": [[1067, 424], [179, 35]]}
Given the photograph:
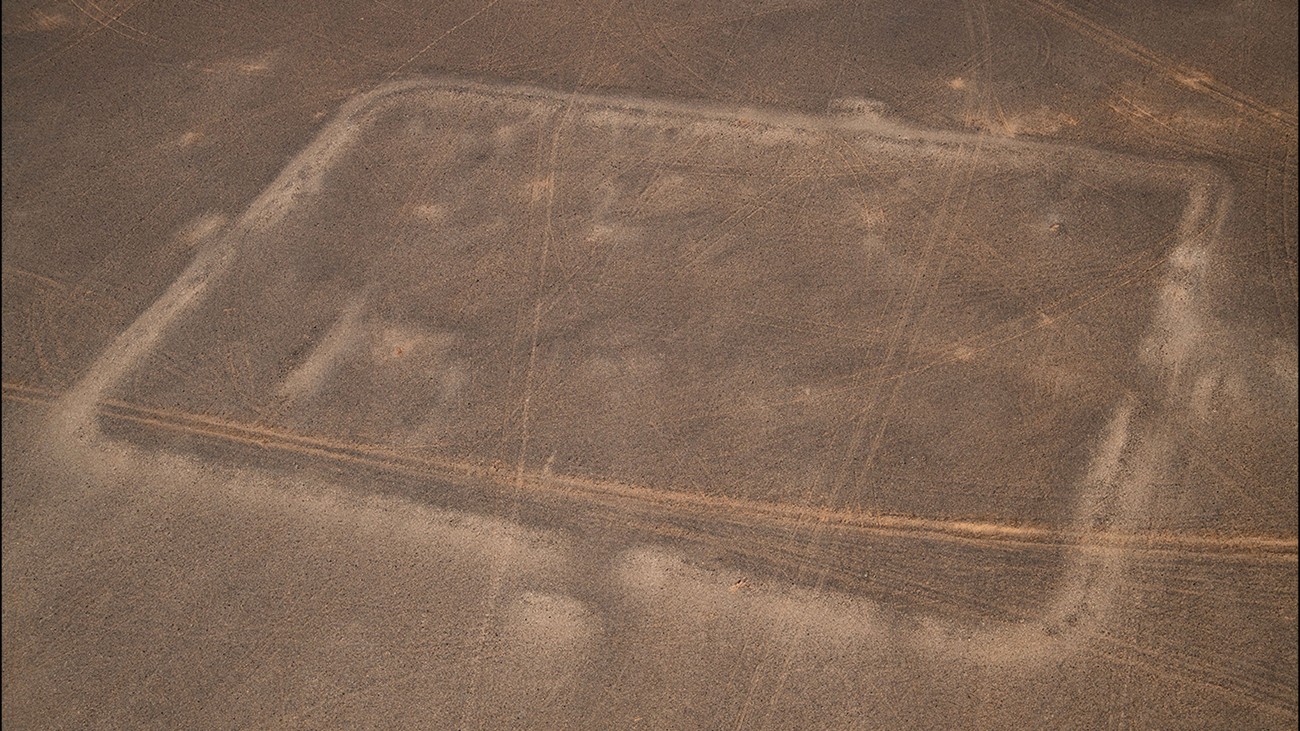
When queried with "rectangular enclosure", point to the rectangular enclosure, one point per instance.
{"points": [[836, 312]]}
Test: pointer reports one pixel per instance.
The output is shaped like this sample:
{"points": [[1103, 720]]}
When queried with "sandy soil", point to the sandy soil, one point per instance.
{"points": [[621, 365]]}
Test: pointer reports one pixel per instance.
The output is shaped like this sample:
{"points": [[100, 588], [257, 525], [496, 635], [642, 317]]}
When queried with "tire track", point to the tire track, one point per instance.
{"points": [[669, 503]]}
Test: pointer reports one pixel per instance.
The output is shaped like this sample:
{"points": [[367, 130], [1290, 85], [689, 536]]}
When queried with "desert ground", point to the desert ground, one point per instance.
{"points": [[617, 364]]}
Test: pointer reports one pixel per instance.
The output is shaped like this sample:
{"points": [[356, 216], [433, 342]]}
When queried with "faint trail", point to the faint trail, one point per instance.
{"points": [[1149, 122], [1230, 682], [103, 22], [1189, 78], [16, 271], [544, 259], [112, 23], [400, 67], [503, 477]]}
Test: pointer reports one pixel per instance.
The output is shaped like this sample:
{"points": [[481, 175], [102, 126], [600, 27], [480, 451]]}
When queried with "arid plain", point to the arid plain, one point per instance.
{"points": [[627, 365]]}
